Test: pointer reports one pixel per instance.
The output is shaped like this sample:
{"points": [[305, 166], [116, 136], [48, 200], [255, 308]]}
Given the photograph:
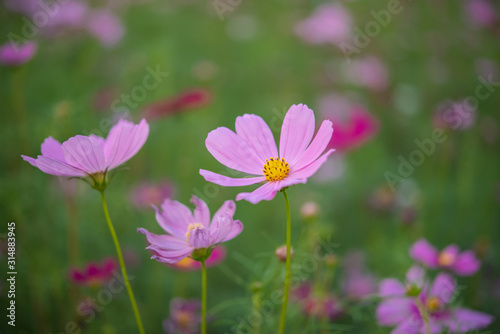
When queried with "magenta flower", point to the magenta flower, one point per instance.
{"points": [[105, 26], [185, 317], [464, 264], [404, 310], [482, 13], [330, 23], [189, 232], [216, 257], [184, 101], [12, 54], [92, 156], [252, 150], [147, 193], [94, 274]]}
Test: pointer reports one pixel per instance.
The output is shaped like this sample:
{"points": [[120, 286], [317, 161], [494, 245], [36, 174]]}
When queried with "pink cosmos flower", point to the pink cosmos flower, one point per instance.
{"points": [[184, 101], [330, 23], [185, 317], [456, 115], [464, 264], [400, 309], [188, 232], [252, 150], [147, 193], [482, 13], [15, 55], [357, 282], [322, 306], [105, 26], [353, 124], [82, 156], [94, 274], [368, 72], [188, 264]]}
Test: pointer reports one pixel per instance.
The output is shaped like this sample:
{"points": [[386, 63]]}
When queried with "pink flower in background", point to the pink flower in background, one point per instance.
{"points": [[187, 232], [70, 14], [357, 282], [14, 55], [401, 311], [184, 101], [368, 72], [463, 264], [150, 193], [252, 150], [22, 6], [82, 156], [188, 264], [481, 13], [94, 274], [353, 125], [330, 23], [322, 306], [456, 115], [185, 317], [105, 26]]}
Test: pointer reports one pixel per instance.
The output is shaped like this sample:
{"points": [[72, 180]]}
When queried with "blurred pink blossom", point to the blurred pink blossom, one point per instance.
{"points": [[12, 54], [481, 13], [94, 274], [105, 26], [151, 193], [456, 115], [368, 72]]}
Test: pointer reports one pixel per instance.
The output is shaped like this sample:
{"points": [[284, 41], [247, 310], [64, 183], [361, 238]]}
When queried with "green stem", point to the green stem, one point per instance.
{"points": [[203, 298], [423, 314], [288, 263], [122, 264]]}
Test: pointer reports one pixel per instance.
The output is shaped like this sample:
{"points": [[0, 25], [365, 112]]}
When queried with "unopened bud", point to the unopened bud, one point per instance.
{"points": [[281, 253], [309, 210]]}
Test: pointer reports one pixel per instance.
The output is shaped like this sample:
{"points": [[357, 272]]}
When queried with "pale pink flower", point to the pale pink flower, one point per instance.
{"points": [[252, 150], [105, 26], [12, 54]]}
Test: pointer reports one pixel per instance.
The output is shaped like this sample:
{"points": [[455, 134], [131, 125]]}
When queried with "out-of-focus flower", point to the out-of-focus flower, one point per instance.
{"points": [[330, 23], [463, 264], [357, 282], [316, 304], [481, 13], [353, 125], [12, 54], [382, 199], [22, 6], [309, 210], [407, 215], [367, 72], [184, 101], [409, 313], [94, 274], [456, 115], [185, 317], [148, 193], [92, 156], [204, 70], [281, 253], [190, 234], [188, 264], [105, 26], [252, 150], [71, 14]]}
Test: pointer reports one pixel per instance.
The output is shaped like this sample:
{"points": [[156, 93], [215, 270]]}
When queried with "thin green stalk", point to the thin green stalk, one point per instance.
{"points": [[288, 263], [203, 298], [122, 264], [423, 314]]}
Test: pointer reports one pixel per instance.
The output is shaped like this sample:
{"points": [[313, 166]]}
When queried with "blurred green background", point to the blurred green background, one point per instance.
{"points": [[250, 61]]}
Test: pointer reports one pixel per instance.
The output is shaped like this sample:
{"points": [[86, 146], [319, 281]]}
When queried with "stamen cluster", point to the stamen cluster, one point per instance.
{"points": [[276, 169]]}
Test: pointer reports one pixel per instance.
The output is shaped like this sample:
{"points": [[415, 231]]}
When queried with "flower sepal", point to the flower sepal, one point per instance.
{"points": [[99, 181], [201, 254]]}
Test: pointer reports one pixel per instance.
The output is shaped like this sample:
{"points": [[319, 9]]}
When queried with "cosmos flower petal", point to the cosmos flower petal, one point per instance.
{"points": [[227, 208], [233, 151], [85, 153], [425, 253], [296, 132], [164, 241], [124, 141], [411, 325], [200, 238], [226, 181], [317, 146], [312, 168], [201, 213], [391, 287], [51, 148], [99, 139], [169, 256], [463, 320], [257, 133], [466, 264], [416, 275], [265, 192], [31, 160], [236, 229], [393, 311], [174, 217], [224, 228], [443, 287], [56, 167]]}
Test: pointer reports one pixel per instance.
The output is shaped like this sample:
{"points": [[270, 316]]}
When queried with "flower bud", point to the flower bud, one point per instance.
{"points": [[309, 210], [281, 253]]}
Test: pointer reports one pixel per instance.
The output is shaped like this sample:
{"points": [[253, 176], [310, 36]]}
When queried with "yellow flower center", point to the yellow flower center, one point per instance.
{"points": [[185, 263], [184, 319], [433, 304], [276, 169], [446, 259], [192, 227]]}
